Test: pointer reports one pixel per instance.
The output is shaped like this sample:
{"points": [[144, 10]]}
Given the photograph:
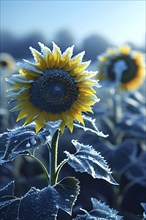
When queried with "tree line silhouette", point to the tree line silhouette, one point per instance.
{"points": [[93, 44]]}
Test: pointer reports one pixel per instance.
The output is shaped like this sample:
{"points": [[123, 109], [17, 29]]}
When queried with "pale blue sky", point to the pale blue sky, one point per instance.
{"points": [[119, 21]]}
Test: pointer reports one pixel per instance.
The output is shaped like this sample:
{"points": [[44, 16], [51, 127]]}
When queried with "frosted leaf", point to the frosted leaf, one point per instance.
{"points": [[39, 204], [36, 204], [22, 140], [6, 192], [100, 211], [68, 190], [10, 210], [8, 203], [86, 159], [90, 126], [144, 207]]}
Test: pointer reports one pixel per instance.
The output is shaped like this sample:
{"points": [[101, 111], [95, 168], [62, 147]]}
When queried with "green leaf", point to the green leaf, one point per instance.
{"points": [[68, 190], [86, 159]]}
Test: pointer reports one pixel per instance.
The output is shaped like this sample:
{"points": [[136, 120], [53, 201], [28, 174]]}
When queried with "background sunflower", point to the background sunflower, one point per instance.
{"points": [[122, 67]]}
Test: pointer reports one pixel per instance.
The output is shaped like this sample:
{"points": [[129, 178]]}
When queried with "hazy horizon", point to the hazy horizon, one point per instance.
{"points": [[117, 21]]}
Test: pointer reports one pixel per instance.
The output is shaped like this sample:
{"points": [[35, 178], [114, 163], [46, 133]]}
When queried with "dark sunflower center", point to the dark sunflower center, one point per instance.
{"points": [[123, 65], [54, 92], [3, 63]]}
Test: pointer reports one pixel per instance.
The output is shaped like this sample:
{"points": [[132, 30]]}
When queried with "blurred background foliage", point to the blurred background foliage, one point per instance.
{"points": [[94, 44]]}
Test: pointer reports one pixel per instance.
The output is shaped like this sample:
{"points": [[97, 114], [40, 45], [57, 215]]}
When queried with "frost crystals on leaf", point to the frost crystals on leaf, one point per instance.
{"points": [[86, 159], [68, 190], [90, 126], [22, 140], [99, 211]]}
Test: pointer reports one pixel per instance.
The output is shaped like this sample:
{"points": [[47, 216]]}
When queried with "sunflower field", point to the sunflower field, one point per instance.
{"points": [[72, 124]]}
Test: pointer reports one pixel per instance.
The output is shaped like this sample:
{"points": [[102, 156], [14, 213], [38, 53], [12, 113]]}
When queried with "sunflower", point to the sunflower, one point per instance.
{"points": [[55, 87], [6, 62], [7, 68], [122, 67]]}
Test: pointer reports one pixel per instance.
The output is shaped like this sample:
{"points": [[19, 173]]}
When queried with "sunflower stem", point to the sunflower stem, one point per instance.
{"points": [[60, 167], [53, 158], [117, 112]]}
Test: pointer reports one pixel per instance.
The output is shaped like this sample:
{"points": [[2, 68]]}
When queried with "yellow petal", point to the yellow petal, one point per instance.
{"points": [[56, 55], [26, 109], [40, 121], [39, 125], [138, 58], [20, 85], [111, 51], [22, 114], [68, 120], [23, 95], [29, 119], [80, 68], [124, 50], [53, 117], [49, 60], [74, 62], [86, 83], [102, 58], [77, 115], [87, 91], [86, 100], [85, 75], [70, 125], [16, 108], [66, 56], [27, 73], [81, 107], [62, 126], [38, 58]]}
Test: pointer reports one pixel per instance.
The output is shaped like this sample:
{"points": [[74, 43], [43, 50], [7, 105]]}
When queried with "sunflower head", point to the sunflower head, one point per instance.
{"points": [[55, 87], [7, 65], [122, 67]]}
